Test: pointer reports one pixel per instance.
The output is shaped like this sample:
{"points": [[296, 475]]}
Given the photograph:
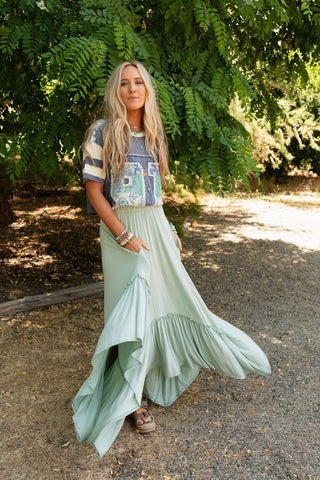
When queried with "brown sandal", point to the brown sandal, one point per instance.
{"points": [[146, 427]]}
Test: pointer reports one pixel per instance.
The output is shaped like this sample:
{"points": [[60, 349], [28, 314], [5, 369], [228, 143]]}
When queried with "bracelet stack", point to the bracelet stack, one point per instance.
{"points": [[173, 228], [124, 237], [127, 239]]}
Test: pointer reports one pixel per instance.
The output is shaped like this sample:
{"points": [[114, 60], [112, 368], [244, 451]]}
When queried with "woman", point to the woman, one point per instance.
{"points": [[158, 332]]}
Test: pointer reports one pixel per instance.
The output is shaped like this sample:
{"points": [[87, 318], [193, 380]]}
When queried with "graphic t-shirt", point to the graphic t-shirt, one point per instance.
{"points": [[140, 183]]}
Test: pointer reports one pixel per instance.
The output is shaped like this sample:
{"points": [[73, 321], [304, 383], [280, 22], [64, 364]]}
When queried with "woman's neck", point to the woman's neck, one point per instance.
{"points": [[135, 120]]}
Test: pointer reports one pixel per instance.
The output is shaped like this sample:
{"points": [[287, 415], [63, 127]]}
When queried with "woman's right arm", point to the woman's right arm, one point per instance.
{"points": [[106, 213]]}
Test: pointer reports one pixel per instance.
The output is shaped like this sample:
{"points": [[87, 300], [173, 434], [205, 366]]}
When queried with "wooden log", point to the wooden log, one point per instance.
{"points": [[59, 296]]}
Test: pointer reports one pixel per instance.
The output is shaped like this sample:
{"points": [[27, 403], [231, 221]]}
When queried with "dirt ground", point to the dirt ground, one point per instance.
{"points": [[256, 262]]}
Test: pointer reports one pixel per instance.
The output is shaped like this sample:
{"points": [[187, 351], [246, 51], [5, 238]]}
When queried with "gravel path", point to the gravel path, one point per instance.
{"points": [[256, 262], [260, 270]]}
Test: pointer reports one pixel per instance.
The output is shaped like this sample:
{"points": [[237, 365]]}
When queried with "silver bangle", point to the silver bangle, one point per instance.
{"points": [[122, 235], [127, 240]]}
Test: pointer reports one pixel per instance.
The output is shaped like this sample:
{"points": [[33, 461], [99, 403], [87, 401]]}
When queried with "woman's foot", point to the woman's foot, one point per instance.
{"points": [[142, 419]]}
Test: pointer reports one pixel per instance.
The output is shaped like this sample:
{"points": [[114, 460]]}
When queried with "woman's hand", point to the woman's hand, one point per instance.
{"points": [[136, 244], [176, 236]]}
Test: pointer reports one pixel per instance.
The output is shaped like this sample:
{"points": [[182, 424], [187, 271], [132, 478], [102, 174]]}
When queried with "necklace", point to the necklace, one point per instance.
{"points": [[144, 162], [144, 165], [136, 131]]}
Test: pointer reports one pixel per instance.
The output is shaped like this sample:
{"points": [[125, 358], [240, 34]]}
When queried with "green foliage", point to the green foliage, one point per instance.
{"points": [[57, 54], [295, 142]]}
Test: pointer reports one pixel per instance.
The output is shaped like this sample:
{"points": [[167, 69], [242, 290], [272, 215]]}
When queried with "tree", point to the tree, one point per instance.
{"points": [[57, 54], [295, 142]]}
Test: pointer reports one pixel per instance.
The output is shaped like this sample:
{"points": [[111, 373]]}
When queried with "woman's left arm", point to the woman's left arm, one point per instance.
{"points": [[176, 236]]}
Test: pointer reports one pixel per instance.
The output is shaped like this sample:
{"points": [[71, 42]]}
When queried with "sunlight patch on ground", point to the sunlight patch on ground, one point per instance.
{"points": [[56, 211], [275, 221], [40, 260]]}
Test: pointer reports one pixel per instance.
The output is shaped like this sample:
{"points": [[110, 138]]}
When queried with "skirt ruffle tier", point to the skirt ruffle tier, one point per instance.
{"points": [[163, 330]]}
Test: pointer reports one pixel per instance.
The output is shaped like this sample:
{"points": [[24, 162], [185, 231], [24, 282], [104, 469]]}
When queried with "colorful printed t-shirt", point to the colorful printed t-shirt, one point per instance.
{"points": [[140, 184]]}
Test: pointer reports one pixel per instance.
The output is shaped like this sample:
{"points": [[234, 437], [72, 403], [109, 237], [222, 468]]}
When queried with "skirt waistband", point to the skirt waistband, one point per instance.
{"points": [[135, 209]]}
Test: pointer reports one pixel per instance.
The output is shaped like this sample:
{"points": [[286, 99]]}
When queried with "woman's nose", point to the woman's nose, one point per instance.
{"points": [[132, 87]]}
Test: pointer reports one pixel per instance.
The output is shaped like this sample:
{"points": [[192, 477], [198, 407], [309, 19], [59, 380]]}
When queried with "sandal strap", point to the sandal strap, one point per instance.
{"points": [[139, 415]]}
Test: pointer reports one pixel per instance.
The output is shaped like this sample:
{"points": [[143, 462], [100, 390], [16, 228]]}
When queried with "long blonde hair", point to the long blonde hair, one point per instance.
{"points": [[117, 132]]}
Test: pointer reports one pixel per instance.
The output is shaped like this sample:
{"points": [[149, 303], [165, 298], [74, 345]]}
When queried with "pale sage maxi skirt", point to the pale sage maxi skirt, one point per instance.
{"points": [[163, 329]]}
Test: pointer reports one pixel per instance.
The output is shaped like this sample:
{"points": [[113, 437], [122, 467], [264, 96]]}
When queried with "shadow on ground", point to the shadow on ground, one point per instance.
{"points": [[52, 244]]}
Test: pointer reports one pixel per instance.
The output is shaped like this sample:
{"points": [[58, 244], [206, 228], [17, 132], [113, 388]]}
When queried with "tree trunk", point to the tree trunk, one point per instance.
{"points": [[6, 213]]}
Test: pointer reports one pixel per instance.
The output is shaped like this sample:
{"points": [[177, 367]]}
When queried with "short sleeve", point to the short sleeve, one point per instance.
{"points": [[92, 166]]}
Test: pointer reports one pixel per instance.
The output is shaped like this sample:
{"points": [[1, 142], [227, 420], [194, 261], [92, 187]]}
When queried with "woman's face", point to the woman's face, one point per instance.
{"points": [[132, 88]]}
